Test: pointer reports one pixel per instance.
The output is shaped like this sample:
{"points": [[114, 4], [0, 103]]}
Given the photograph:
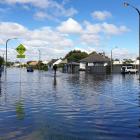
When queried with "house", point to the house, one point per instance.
{"points": [[96, 63], [54, 62], [116, 67], [63, 64], [72, 67], [135, 64], [57, 62], [32, 63], [50, 63], [45, 62]]}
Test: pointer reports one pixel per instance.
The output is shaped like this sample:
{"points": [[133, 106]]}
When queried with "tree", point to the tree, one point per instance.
{"points": [[138, 58], [1, 61], [127, 61], [116, 59], [75, 55]]}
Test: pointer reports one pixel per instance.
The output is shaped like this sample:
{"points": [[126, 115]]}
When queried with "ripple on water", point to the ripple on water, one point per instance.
{"points": [[70, 106]]}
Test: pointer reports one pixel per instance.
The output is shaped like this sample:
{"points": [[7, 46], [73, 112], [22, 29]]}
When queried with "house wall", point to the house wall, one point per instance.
{"points": [[97, 68], [82, 66], [116, 68], [72, 68]]}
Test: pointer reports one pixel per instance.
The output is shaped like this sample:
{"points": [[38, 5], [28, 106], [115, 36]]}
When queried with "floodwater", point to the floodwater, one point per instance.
{"points": [[39, 106]]}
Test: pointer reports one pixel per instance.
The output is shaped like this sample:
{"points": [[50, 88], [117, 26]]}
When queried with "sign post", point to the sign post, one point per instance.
{"points": [[20, 50]]}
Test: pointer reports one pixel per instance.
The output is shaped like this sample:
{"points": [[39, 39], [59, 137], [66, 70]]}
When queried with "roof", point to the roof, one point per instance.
{"points": [[57, 62], [65, 61], [73, 63], [52, 61], [33, 63], [95, 58]]}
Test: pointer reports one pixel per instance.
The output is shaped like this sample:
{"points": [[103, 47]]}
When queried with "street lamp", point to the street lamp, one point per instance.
{"points": [[111, 59], [138, 11], [6, 50]]}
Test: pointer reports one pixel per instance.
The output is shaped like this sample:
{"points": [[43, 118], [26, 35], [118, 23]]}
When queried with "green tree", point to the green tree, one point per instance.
{"points": [[127, 61], [1, 61], [138, 58], [75, 55]]}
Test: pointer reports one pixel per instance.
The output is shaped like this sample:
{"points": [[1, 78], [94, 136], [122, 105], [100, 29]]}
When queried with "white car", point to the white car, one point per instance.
{"points": [[128, 69]]}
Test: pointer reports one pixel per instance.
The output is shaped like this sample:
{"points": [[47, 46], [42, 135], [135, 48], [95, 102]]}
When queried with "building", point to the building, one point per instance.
{"points": [[54, 62], [32, 63], [116, 67], [72, 67], [96, 63]]}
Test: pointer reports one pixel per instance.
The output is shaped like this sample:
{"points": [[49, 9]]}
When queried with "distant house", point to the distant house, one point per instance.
{"points": [[57, 62], [95, 63], [117, 62], [50, 63], [135, 63], [63, 64], [32, 63], [116, 67], [72, 67], [45, 62], [54, 62]]}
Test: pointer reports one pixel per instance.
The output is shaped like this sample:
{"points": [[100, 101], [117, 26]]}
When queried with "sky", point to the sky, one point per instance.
{"points": [[55, 27]]}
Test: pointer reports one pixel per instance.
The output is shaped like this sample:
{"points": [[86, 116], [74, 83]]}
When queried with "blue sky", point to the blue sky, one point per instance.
{"points": [[57, 26]]}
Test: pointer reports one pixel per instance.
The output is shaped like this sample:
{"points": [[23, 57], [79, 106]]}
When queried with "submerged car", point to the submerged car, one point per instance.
{"points": [[30, 69], [128, 69]]}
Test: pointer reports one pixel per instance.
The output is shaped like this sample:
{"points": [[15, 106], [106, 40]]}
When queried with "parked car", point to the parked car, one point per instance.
{"points": [[128, 69], [30, 69]]}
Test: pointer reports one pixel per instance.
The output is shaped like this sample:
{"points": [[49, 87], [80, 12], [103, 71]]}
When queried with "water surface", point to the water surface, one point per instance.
{"points": [[39, 106]]}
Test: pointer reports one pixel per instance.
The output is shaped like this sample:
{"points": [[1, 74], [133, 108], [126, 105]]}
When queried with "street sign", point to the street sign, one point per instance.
{"points": [[20, 56], [20, 49]]}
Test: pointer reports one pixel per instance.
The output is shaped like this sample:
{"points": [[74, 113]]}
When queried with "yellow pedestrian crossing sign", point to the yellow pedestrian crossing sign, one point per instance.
{"points": [[20, 49]]}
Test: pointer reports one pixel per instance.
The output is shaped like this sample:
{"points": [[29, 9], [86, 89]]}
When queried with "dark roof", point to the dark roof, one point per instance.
{"points": [[95, 58], [73, 63], [52, 61]]}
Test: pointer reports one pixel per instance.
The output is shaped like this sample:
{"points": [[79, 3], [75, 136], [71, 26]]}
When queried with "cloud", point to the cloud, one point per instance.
{"points": [[92, 28], [101, 15], [48, 40], [50, 9], [90, 39], [40, 15], [70, 26], [112, 29], [55, 42], [8, 29], [121, 53]]}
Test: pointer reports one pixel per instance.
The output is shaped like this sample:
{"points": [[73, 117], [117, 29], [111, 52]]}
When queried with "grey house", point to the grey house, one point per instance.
{"points": [[72, 67], [96, 63]]}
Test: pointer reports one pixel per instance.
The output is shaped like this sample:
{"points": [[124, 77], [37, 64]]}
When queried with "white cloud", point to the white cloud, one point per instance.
{"points": [[121, 53], [8, 29], [90, 39], [56, 42], [101, 15], [50, 9], [40, 15], [92, 28], [46, 39], [70, 26], [112, 29]]}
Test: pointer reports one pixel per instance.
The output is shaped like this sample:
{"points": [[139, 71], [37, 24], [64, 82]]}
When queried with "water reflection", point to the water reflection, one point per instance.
{"points": [[54, 81], [0, 83], [87, 106], [20, 113]]}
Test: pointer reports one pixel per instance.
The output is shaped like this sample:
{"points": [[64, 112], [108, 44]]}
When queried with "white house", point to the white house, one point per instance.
{"points": [[117, 62], [57, 62]]}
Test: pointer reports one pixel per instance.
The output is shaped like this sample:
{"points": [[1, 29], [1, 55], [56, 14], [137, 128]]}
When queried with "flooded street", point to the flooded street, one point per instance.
{"points": [[80, 106]]}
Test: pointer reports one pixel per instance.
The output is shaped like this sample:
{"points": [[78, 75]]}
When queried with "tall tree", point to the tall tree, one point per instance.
{"points": [[75, 55]]}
